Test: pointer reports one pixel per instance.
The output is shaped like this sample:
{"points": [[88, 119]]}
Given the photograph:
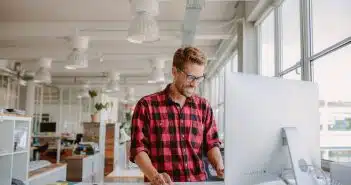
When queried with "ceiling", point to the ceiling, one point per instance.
{"points": [[33, 29]]}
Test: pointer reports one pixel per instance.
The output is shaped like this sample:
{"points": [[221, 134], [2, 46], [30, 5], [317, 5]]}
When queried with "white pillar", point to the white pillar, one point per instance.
{"points": [[247, 43], [59, 127], [30, 98]]}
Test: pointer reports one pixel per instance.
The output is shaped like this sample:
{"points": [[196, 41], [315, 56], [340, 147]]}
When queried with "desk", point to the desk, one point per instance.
{"points": [[49, 174], [176, 183], [58, 143], [83, 167]]}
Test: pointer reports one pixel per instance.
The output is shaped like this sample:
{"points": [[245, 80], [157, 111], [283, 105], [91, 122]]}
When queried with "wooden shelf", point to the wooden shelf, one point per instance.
{"points": [[91, 134]]}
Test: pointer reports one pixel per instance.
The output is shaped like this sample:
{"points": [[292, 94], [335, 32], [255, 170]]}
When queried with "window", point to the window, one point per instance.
{"points": [[293, 75], [267, 46], [213, 91], [234, 64], [217, 88], [221, 86], [331, 69], [291, 52], [331, 22], [332, 73]]}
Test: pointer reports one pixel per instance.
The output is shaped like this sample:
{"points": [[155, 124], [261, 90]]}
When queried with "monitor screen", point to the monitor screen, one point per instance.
{"points": [[48, 127]]}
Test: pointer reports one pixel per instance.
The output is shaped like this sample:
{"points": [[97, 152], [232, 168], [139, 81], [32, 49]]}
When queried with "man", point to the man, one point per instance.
{"points": [[173, 128]]}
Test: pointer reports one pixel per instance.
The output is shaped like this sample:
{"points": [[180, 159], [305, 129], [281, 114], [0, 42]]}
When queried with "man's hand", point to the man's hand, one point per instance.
{"points": [[220, 172], [215, 158], [161, 179]]}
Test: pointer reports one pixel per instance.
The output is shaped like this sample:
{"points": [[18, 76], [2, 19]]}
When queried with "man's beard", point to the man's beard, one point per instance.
{"points": [[183, 91]]}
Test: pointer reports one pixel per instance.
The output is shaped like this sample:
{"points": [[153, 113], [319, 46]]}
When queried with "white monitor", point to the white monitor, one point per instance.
{"points": [[257, 108]]}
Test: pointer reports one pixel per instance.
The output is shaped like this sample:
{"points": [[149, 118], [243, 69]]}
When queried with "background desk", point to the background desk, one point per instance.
{"points": [[176, 183]]}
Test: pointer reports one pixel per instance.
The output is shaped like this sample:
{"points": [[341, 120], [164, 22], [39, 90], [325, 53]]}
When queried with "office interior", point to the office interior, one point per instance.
{"points": [[72, 71]]}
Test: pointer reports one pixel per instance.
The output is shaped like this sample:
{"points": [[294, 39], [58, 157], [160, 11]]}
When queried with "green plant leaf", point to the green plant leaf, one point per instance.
{"points": [[92, 93]]}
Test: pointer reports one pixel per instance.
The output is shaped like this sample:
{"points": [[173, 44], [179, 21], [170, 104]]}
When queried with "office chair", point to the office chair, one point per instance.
{"points": [[78, 138]]}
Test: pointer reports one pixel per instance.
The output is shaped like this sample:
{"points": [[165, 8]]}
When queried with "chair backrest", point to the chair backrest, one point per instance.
{"points": [[78, 138], [44, 147]]}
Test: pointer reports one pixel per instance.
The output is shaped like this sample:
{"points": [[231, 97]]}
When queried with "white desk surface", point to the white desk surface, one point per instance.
{"points": [[175, 183]]}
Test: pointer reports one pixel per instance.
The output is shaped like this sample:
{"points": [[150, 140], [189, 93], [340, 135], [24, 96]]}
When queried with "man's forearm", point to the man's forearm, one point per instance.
{"points": [[215, 158], [144, 163]]}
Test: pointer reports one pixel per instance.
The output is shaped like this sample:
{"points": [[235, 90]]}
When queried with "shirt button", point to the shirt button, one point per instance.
{"points": [[186, 165], [184, 150], [183, 136]]}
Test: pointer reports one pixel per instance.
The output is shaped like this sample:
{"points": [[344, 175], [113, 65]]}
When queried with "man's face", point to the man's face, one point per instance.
{"points": [[186, 80]]}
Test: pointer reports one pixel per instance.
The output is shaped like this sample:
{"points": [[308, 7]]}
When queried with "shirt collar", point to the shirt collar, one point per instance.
{"points": [[168, 98]]}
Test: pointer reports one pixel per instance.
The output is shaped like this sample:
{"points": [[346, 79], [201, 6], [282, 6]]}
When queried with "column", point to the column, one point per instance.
{"points": [[30, 98], [247, 43]]}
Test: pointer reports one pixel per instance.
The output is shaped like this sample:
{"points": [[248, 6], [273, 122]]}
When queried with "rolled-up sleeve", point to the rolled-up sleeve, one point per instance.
{"points": [[139, 130], [211, 138]]}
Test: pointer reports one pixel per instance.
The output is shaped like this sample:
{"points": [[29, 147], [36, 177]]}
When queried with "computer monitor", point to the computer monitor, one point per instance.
{"points": [[257, 108], [48, 127]]}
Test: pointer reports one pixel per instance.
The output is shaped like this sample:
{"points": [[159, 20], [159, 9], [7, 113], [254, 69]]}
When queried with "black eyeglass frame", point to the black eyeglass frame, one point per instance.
{"points": [[191, 78]]}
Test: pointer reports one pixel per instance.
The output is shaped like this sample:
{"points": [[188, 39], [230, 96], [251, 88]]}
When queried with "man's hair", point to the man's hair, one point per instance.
{"points": [[188, 55]]}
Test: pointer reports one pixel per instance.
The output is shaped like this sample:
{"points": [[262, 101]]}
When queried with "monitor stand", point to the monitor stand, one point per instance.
{"points": [[299, 157]]}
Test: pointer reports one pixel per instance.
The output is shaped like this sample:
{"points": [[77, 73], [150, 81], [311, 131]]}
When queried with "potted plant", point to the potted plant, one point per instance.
{"points": [[98, 108], [93, 94]]}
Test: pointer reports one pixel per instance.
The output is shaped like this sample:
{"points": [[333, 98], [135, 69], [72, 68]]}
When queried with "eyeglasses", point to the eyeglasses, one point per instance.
{"points": [[191, 78]]}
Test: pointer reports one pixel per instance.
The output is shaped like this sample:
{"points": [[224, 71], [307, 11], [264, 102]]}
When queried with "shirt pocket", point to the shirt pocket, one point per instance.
{"points": [[196, 133], [163, 130]]}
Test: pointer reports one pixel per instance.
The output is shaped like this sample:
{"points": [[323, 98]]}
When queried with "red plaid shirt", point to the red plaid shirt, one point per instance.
{"points": [[174, 137]]}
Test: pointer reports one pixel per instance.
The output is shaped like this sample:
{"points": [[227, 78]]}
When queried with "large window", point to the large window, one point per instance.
{"points": [[291, 47], [332, 73], [294, 74], [266, 32], [330, 34], [331, 22], [216, 90]]}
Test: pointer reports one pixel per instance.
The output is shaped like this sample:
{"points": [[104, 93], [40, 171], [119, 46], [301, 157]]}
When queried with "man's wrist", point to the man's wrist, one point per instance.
{"points": [[219, 167], [152, 174]]}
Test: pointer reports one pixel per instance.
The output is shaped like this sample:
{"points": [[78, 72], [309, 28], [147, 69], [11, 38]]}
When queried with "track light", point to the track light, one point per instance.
{"points": [[84, 92], [157, 73], [43, 74], [78, 58], [113, 83], [144, 28]]}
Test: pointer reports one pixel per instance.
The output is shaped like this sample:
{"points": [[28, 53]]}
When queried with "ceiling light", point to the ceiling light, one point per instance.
{"points": [[43, 75], [84, 92], [143, 28], [149, 6], [78, 58], [130, 97], [157, 76], [113, 84]]}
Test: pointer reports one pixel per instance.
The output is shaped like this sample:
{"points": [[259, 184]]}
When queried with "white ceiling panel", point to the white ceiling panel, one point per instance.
{"points": [[102, 10], [30, 29]]}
